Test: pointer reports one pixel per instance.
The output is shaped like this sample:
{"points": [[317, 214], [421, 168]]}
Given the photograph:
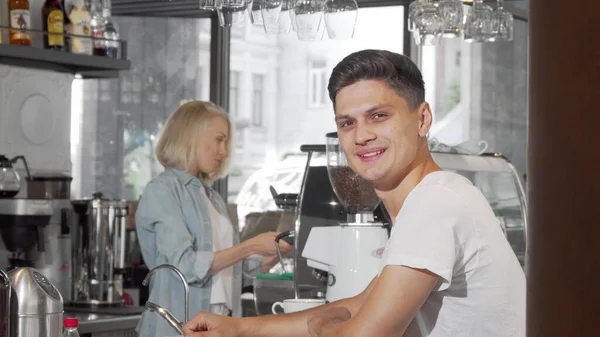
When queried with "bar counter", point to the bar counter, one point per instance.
{"points": [[90, 323]]}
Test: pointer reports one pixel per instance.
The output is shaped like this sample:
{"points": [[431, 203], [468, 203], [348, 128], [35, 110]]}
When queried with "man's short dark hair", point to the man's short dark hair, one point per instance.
{"points": [[396, 70]]}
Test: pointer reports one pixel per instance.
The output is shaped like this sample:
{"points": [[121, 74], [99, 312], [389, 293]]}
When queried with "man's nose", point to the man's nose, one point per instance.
{"points": [[364, 134]]}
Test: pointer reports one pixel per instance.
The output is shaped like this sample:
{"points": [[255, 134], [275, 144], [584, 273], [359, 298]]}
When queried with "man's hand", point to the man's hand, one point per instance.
{"points": [[320, 323], [209, 325]]}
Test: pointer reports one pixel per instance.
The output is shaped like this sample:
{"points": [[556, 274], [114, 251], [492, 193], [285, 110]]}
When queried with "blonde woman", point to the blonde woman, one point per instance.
{"points": [[182, 221]]}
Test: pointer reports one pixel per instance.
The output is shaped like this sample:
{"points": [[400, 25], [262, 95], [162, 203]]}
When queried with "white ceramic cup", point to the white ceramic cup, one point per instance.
{"points": [[299, 304]]}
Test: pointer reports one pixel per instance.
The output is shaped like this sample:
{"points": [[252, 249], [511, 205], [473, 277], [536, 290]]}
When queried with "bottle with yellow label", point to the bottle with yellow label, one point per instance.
{"points": [[19, 17], [53, 21]]}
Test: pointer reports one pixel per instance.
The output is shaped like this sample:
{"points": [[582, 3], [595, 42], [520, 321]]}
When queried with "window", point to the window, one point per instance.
{"points": [[117, 120], [291, 97], [234, 94], [257, 99], [318, 78], [478, 94], [104, 92]]}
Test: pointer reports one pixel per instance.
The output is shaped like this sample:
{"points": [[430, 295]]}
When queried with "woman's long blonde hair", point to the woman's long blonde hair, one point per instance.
{"points": [[180, 136]]}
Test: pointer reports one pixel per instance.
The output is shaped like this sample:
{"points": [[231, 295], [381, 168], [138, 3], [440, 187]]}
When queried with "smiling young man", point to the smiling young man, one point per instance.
{"points": [[447, 269]]}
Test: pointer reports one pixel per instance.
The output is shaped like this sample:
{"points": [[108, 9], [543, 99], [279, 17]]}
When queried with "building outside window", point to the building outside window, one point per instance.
{"points": [[478, 94], [234, 94], [257, 99], [318, 79]]}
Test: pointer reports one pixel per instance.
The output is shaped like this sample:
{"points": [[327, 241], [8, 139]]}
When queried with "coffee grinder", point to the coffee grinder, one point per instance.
{"points": [[350, 252]]}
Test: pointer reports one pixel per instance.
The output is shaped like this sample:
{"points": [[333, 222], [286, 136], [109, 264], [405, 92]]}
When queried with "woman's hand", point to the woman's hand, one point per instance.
{"points": [[268, 262], [264, 244]]}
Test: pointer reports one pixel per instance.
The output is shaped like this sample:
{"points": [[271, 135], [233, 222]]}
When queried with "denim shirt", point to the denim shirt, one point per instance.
{"points": [[173, 227]]}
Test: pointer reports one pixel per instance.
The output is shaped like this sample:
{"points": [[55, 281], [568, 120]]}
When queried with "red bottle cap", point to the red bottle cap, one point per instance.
{"points": [[70, 322]]}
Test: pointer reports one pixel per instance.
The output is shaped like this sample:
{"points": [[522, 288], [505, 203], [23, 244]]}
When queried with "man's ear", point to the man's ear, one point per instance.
{"points": [[425, 118]]}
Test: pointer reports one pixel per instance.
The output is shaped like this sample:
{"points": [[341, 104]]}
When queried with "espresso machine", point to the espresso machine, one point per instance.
{"points": [[350, 252], [98, 237]]}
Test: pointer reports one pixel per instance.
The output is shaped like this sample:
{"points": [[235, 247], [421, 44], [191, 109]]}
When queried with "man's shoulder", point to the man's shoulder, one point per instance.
{"points": [[445, 179], [445, 188], [445, 196]]}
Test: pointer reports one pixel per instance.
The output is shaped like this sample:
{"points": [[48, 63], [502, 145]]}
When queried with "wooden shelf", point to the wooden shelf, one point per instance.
{"points": [[87, 66]]}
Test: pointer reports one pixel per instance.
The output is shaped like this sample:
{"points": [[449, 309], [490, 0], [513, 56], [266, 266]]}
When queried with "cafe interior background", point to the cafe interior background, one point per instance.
{"points": [[102, 131]]}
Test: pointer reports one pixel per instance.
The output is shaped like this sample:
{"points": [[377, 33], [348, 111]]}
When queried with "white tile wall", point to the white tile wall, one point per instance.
{"points": [[35, 119], [35, 116]]}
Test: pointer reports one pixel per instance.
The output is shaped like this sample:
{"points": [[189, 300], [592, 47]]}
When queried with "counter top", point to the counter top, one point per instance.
{"points": [[90, 323]]}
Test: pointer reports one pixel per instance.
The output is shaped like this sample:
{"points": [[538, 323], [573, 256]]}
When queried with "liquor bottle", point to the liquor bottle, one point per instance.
{"points": [[80, 20], [67, 5], [54, 19], [110, 31], [97, 25], [19, 17]]}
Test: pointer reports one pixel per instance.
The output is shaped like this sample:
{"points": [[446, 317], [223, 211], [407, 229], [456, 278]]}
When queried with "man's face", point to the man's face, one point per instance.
{"points": [[378, 131]]}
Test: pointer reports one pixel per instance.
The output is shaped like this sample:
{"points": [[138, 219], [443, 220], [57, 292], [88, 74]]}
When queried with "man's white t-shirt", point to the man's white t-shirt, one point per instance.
{"points": [[447, 226]]}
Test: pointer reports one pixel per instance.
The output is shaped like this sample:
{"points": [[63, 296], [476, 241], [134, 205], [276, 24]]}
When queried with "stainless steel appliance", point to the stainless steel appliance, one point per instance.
{"points": [[10, 182], [55, 261], [98, 236], [36, 306], [4, 304], [21, 227]]}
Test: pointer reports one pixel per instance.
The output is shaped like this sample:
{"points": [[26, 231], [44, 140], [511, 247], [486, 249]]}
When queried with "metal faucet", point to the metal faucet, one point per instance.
{"points": [[162, 311]]}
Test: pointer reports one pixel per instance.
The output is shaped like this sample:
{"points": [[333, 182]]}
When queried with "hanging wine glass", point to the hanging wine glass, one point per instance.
{"points": [[308, 15], [340, 18], [502, 24], [255, 14], [232, 13], [429, 24], [271, 11], [478, 26], [452, 13]]}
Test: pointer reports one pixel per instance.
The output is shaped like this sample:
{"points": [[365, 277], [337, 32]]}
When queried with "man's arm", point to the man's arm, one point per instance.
{"points": [[287, 325], [388, 310]]}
